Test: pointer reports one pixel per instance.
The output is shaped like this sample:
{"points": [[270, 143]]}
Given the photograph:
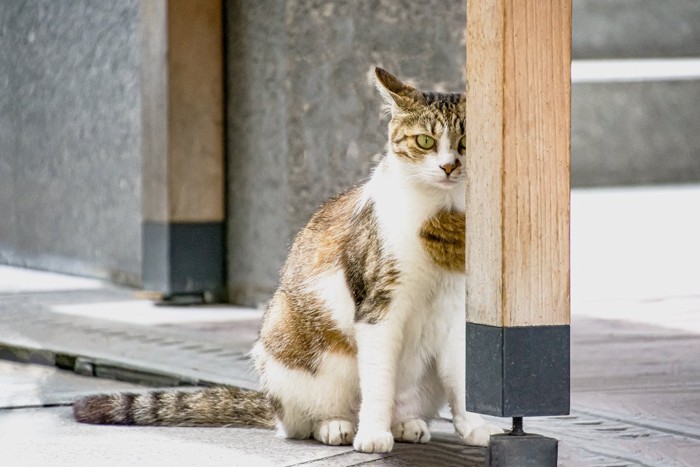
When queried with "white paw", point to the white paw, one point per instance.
{"points": [[473, 431], [373, 441], [481, 435], [334, 432], [411, 431]]}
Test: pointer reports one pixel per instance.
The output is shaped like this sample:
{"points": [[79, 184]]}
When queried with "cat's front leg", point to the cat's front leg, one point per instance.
{"points": [[451, 369], [378, 348]]}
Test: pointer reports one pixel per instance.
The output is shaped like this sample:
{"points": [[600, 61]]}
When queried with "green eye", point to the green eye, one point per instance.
{"points": [[463, 142], [425, 141]]}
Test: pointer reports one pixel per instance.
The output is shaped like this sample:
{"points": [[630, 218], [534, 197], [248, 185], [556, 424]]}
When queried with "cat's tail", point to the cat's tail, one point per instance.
{"points": [[215, 406]]}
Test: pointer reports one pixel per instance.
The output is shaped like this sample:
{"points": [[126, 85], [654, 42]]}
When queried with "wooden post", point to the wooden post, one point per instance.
{"points": [[183, 146], [518, 137]]}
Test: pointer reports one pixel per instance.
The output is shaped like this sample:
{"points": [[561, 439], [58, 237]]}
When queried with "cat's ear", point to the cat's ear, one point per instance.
{"points": [[397, 94]]}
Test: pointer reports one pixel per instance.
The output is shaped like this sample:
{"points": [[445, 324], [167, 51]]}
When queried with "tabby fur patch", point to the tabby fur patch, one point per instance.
{"points": [[442, 237], [298, 330], [216, 406]]}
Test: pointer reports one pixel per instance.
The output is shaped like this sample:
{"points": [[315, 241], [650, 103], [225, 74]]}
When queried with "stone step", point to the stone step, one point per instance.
{"points": [[635, 122], [635, 28]]}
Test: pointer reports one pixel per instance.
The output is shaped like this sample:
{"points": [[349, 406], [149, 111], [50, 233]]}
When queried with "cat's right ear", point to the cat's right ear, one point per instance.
{"points": [[396, 94]]}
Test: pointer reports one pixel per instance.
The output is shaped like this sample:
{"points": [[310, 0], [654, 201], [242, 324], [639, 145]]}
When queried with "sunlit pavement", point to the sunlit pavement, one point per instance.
{"points": [[635, 373]]}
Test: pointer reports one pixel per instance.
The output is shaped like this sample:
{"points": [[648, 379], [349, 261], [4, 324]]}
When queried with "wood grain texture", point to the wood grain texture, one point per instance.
{"points": [[183, 110], [518, 138], [196, 110]]}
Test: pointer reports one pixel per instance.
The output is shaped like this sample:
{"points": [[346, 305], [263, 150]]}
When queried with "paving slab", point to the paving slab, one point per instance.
{"points": [[166, 355], [637, 370], [49, 436], [31, 385], [622, 413], [38, 429]]}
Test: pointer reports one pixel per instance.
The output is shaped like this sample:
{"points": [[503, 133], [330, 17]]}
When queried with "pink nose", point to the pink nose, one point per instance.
{"points": [[449, 168]]}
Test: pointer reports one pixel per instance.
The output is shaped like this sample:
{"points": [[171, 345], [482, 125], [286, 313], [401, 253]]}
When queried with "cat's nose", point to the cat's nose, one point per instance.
{"points": [[449, 168]]}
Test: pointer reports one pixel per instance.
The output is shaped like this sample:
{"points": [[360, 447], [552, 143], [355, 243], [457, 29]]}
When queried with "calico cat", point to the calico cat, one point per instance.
{"points": [[363, 341]]}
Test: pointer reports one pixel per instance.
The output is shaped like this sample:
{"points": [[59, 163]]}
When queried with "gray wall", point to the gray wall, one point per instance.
{"points": [[70, 137], [635, 132], [635, 28], [304, 122], [304, 119]]}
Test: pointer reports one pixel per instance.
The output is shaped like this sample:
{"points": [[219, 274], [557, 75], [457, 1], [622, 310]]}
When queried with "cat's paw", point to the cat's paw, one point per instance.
{"points": [[373, 441], [481, 435], [334, 432], [474, 431], [411, 431]]}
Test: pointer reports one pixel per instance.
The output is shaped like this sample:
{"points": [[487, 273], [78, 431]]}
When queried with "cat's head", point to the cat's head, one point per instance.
{"points": [[426, 132]]}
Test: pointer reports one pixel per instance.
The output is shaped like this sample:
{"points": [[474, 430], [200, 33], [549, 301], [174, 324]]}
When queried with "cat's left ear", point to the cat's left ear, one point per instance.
{"points": [[397, 94]]}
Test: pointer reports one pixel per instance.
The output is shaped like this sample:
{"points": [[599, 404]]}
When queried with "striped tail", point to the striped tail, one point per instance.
{"points": [[216, 406]]}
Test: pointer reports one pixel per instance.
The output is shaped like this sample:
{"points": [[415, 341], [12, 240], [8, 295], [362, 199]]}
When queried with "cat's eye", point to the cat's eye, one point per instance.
{"points": [[463, 142], [425, 141]]}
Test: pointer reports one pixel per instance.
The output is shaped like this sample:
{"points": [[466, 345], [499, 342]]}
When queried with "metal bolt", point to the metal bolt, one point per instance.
{"points": [[517, 429]]}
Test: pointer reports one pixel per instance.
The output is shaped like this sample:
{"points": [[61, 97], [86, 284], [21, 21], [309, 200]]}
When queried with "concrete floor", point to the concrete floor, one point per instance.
{"points": [[635, 366]]}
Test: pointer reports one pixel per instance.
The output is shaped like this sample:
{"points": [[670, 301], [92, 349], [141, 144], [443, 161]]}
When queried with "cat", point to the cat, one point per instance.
{"points": [[363, 341]]}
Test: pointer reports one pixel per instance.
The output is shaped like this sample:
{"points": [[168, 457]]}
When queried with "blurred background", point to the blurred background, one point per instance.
{"points": [[176, 146], [302, 120]]}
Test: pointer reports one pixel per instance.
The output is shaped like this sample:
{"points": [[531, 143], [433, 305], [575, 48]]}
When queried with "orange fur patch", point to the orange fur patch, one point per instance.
{"points": [[443, 237]]}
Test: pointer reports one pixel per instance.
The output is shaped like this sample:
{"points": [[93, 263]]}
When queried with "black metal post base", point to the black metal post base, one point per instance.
{"points": [[527, 450]]}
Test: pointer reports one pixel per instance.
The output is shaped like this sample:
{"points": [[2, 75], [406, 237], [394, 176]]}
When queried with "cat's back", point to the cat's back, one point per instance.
{"points": [[311, 313], [317, 248]]}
